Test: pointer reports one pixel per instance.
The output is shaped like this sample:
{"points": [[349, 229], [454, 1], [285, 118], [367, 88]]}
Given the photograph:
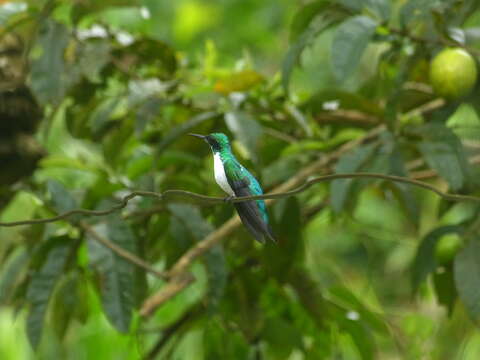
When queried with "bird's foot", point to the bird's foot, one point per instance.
{"points": [[227, 199]]}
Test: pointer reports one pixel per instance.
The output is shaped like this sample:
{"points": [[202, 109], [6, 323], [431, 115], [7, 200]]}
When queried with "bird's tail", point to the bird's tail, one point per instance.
{"points": [[253, 221]]}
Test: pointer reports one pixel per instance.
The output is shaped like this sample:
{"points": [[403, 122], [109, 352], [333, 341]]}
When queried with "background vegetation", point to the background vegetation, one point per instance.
{"points": [[96, 99]]}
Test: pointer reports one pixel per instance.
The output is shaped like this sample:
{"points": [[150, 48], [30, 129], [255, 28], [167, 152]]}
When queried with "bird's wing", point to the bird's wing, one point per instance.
{"points": [[237, 176], [249, 211]]}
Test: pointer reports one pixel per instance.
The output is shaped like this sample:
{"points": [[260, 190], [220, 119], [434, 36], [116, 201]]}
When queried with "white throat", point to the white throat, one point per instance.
{"points": [[220, 176]]}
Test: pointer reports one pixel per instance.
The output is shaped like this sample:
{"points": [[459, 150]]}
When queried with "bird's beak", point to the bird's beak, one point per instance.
{"points": [[198, 136]]}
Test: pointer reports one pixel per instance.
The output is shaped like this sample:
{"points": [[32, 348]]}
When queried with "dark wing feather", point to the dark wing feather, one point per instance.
{"points": [[250, 216], [248, 211]]}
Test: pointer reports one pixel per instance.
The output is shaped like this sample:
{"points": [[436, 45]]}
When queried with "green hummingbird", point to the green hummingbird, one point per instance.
{"points": [[235, 180]]}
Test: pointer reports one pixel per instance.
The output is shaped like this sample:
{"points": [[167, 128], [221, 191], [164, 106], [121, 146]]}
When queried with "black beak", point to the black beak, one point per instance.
{"points": [[198, 136]]}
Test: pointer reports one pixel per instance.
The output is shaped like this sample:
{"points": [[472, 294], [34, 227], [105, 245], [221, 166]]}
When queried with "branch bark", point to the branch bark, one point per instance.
{"points": [[120, 251], [173, 287]]}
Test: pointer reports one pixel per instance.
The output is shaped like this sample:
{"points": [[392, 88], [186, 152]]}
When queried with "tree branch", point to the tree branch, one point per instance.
{"points": [[169, 331], [127, 255], [348, 116], [171, 289]]}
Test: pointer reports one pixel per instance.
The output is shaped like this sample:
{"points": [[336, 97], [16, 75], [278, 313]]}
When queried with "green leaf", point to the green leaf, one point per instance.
{"points": [[47, 66], [117, 286], [161, 57], [282, 337], [303, 17], [362, 337], [62, 200], [42, 285], [146, 112], [381, 8], [192, 219], [444, 152], [443, 158], [348, 299], [292, 58], [180, 240], [246, 130], [281, 169], [465, 121], [445, 290], [100, 118], [403, 191], [12, 270], [217, 274], [141, 90], [467, 277], [95, 54], [115, 142], [424, 262], [414, 10], [124, 17], [184, 128], [348, 163], [300, 119], [287, 226], [293, 55], [65, 303], [220, 343], [349, 43]]}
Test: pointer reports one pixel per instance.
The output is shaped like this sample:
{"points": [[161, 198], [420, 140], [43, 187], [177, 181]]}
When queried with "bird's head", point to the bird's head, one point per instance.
{"points": [[217, 141]]}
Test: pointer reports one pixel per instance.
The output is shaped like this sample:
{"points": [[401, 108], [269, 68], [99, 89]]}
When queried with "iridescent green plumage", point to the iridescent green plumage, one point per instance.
{"points": [[236, 180]]}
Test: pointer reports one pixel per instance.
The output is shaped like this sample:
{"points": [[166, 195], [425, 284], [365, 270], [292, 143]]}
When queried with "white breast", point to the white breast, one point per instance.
{"points": [[220, 176]]}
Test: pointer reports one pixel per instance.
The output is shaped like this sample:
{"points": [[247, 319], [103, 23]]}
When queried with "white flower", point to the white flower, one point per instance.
{"points": [[352, 315], [331, 105], [95, 30], [144, 12]]}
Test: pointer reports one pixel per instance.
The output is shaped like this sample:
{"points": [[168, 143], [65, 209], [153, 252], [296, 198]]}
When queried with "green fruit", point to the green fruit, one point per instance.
{"points": [[447, 247], [453, 73]]}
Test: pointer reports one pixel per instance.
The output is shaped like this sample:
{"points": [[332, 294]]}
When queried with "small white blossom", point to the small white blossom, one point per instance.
{"points": [[124, 38], [144, 12], [92, 32], [353, 315], [237, 98], [331, 105]]}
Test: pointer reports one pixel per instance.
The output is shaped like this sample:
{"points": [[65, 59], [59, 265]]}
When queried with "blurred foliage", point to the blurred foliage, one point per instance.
{"points": [[96, 99]]}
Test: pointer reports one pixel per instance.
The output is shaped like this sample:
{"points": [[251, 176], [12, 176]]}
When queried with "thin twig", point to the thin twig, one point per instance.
{"points": [[350, 116], [280, 135], [276, 195], [426, 108], [169, 331], [143, 213], [440, 41], [127, 255], [430, 173], [201, 247]]}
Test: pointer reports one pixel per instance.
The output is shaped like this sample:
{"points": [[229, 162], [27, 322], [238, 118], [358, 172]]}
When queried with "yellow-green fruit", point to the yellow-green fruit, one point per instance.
{"points": [[447, 247], [453, 73]]}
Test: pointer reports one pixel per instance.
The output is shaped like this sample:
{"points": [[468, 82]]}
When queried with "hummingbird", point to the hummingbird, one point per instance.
{"points": [[237, 181]]}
